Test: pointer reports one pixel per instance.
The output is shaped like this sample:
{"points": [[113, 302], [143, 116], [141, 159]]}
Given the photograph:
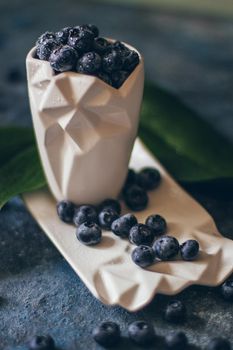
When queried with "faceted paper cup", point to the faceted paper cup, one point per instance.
{"points": [[85, 130]]}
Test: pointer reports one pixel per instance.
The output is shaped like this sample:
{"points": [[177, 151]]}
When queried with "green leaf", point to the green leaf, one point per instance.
{"points": [[23, 173], [185, 144]]}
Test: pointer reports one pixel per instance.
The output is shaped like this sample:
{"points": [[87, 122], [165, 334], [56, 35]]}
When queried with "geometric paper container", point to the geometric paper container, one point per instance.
{"points": [[85, 130]]}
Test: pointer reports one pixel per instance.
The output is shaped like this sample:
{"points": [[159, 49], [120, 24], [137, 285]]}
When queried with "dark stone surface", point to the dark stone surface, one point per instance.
{"points": [[39, 291]]}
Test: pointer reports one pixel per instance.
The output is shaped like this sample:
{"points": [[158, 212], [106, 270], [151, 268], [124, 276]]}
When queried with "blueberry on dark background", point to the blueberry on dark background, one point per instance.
{"points": [[65, 211], [63, 35], [227, 289], [106, 218], [85, 213], [143, 256], [45, 37], [101, 45], [141, 333], [176, 340], [111, 203], [157, 223], [121, 227], [149, 178], [166, 247], [82, 40], [131, 179], [43, 342], [141, 234], [107, 334], [189, 250], [131, 60], [175, 311], [218, 344], [136, 198], [63, 59], [89, 233]]}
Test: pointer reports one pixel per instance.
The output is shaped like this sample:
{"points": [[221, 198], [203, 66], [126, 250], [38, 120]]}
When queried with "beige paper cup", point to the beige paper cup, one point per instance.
{"points": [[85, 130]]}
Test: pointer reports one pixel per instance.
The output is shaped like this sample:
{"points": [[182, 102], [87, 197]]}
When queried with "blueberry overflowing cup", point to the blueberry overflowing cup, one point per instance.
{"points": [[85, 123]]}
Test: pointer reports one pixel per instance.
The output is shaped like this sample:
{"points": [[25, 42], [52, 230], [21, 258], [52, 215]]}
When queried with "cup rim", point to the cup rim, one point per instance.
{"points": [[31, 56]]}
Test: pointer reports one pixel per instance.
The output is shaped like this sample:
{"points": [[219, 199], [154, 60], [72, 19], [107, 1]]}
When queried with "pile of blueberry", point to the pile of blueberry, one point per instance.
{"points": [[91, 220], [81, 49]]}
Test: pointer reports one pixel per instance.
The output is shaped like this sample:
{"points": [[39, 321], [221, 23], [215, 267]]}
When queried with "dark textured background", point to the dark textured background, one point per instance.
{"points": [[190, 56]]}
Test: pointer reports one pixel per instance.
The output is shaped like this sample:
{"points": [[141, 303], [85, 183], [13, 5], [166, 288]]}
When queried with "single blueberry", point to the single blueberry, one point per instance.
{"points": [[136, 198], [63, 35], [149, 178], [166, 247], [89, 63], [118, 78], [141, 332], [81, 39], [157, 223], [189, 250], [107, 334], [227, 289], [89, 233], [45, 49], [111, 203], [101, 45], [143, 256], [120, 47], [112, 61], [176, 340], [218, 344], [131, 179], [45, 37], [141, 234], [131, 60], [92, 27], [106, 218], [122, 226], [65, 211], [43, 342], [63, 59], [85, 213], [175, 311]]}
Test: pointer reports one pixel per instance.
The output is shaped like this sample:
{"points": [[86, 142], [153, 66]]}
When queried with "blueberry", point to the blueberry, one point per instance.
{"points": [[85, 213], [227, 289], [218, 344], [166, 247], [149, 178], [122, 226], [189, 250], [143, 256], [118, 78], [141, 234], [141, 332], [120, 47], [112, 61], [176, 340], [43, 342], [89, 233], [111, 203], [93, 28], [157, 223], [63, 35], [106, 218], [136, 198], [45, 37], [107, 334], [81, 39], [65, 211], [45, 49], [175, 311], [131, 60], [105, 77], [89, 63], [101, 45], [63, 59], [131, 179]]}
